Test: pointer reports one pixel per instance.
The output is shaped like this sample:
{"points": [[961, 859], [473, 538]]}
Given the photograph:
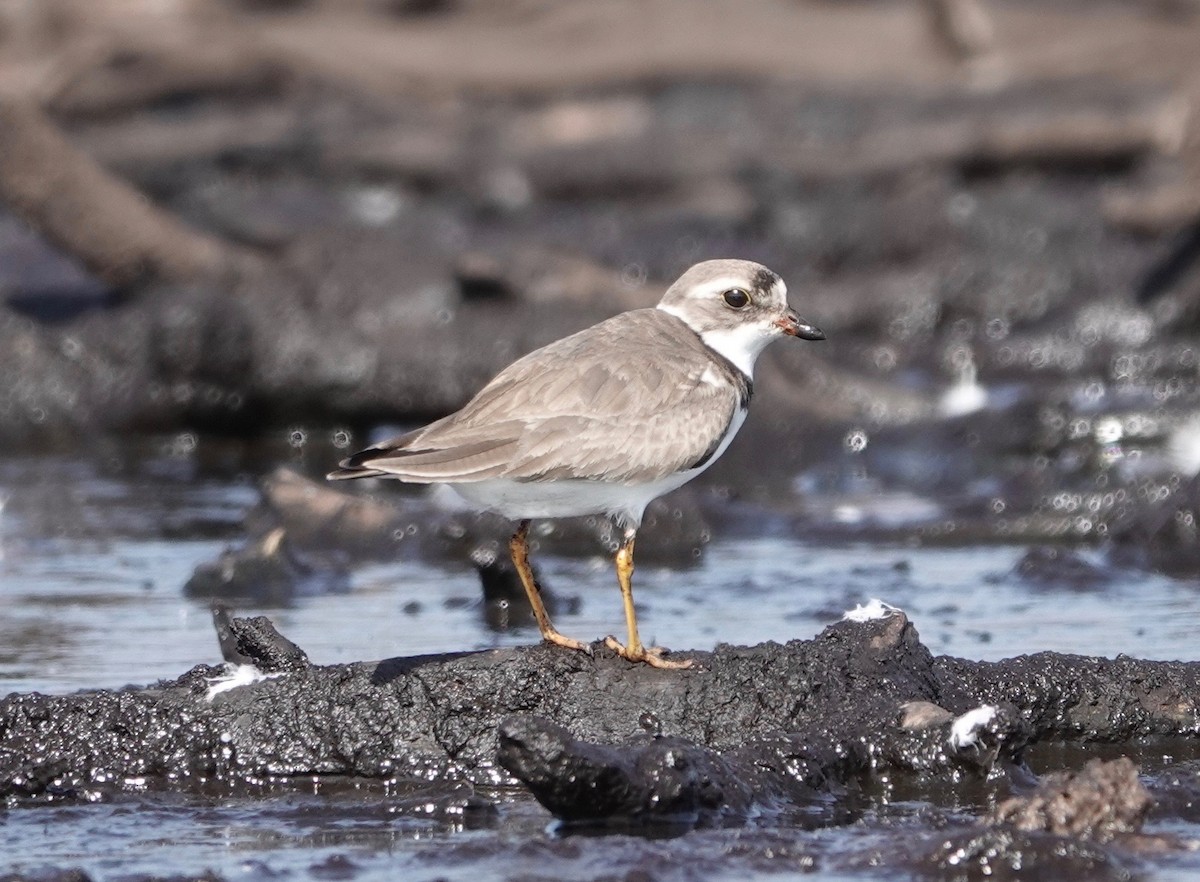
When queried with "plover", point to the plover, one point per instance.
{"points": [[605, 420]]}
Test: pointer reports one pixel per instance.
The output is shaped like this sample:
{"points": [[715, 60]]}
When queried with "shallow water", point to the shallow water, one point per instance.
{"points": [[93, 558]]}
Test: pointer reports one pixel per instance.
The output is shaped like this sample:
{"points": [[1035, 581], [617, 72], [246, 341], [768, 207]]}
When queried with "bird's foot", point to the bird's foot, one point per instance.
{"points": [[650, 655], [557, 639]]}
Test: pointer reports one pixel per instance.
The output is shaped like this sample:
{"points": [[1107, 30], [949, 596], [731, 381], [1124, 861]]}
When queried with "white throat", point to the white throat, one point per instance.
{"points": [[741, 344]]}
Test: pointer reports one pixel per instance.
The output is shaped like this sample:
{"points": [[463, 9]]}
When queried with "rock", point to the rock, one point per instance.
{"points": [[812, 716], [664, 777], [1164, 532], [255, 642], [1057, 566], [505, 604], [1075, 824], [1098, 803], [263, 571]]}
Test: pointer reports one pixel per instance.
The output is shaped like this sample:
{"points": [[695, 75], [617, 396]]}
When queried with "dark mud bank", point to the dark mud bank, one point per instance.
{"points": [[748, 728]]}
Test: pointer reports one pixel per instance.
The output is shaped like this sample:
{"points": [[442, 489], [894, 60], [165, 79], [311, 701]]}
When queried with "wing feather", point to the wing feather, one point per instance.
{"points": [[599, 405]]}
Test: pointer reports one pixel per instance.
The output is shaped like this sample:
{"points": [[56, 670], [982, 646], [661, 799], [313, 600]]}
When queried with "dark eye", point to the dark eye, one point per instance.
{"points": [[737, 298]]}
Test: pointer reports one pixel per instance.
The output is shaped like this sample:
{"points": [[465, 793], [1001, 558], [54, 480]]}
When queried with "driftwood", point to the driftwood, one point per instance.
{"points": [[145, 145], [148, 68], [116, 232], [1082, 131], [862, 699], [1155, 211], [964, 27], [602, 146]]}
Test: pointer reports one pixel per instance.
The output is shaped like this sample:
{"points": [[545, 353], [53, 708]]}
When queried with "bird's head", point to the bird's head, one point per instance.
{"points": [[737, 307]]}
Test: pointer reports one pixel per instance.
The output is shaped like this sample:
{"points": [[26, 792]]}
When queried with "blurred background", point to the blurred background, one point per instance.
{"points": [[239, 238]]}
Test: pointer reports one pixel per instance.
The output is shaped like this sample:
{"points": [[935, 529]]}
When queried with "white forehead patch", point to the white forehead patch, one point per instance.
{"points": [[723, 283]]}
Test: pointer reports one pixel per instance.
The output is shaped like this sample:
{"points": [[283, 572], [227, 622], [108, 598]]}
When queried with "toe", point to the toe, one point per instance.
{"points": [[649, 655], [657, 661], [566, 642]]}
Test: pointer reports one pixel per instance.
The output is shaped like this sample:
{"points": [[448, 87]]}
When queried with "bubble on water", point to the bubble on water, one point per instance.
{"points": [[1092, 392], [997, 328], [1079, 427], [484, 555], [633, 275], [856, 441], [182, 444], [1164, 390]]}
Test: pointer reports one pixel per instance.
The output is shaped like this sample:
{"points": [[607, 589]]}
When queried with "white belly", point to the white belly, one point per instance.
{"points": [[560, 499]]}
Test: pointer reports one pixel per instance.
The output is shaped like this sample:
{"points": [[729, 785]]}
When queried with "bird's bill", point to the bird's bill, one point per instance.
{"points": [[794, 326]]}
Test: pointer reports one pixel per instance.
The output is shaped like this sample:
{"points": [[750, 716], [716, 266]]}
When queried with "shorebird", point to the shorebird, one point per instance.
{"points": [[605, 420]]}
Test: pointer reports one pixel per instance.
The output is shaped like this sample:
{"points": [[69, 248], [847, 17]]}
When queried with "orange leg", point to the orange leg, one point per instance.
{"points": [[518, 546], [633, 649]]}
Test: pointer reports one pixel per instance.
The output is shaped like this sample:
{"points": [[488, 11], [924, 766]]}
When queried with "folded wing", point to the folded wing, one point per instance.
{"points": [[599, 405]]}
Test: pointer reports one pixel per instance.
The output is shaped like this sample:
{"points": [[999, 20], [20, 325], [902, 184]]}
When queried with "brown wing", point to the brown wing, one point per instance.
{"points": [[602, 404]]}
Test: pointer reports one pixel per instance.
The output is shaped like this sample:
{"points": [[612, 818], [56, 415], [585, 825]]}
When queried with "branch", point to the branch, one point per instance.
{"points": [[115, 231]]}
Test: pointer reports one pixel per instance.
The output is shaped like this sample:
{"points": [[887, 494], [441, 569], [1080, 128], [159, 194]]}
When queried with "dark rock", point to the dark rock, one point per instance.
{"points": [[665, 777], [1056, 566], [837, 699], [72, 874], [1081, 698], [988, 740], [335, 867], [266, 571], [674, 779], [505, 604], [1163, 534], [255, 642]]}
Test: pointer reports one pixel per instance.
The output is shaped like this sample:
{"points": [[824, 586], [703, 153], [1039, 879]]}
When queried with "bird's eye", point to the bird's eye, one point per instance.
{"points": [[737, 298]]}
